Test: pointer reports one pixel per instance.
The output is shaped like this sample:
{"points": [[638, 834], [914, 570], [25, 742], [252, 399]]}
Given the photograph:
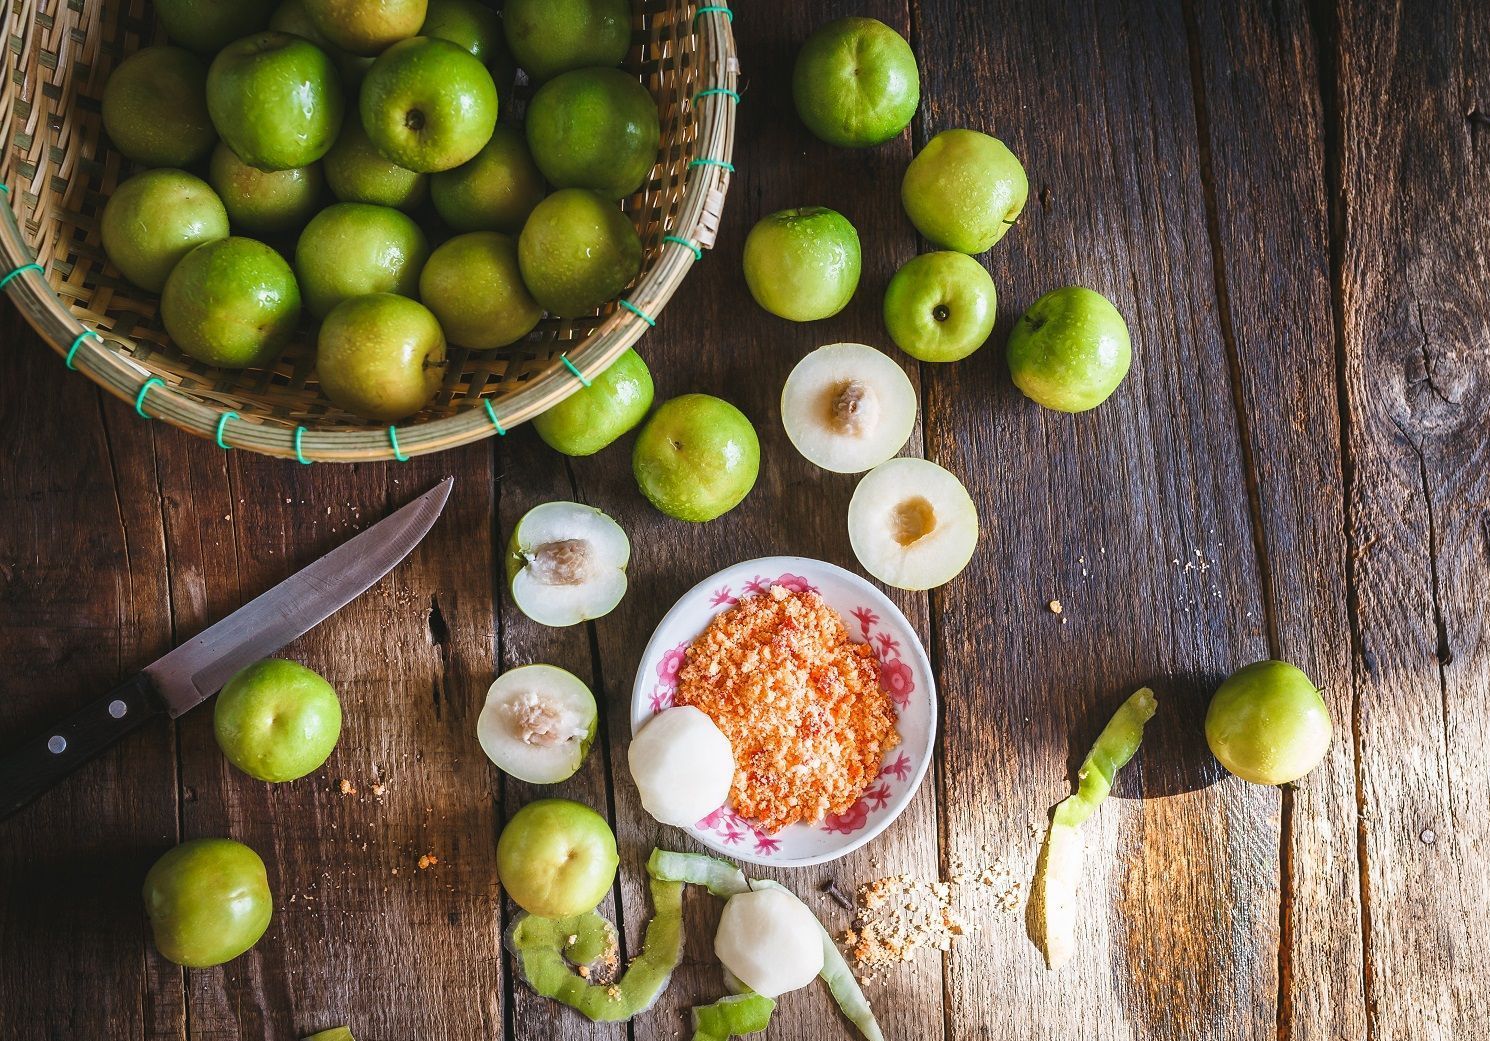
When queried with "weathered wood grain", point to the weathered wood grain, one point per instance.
{"points": [[361, 935], [1134, 515], [718, 341], [1414, 292], [534, 474], [81, 607], [1262, 117]]}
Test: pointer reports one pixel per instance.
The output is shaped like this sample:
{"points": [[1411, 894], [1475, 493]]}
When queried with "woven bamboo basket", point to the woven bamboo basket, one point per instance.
{"points": [[58, 170]]}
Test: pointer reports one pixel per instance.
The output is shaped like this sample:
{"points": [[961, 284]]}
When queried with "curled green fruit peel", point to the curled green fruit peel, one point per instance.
{"points": [[1060, 861], [334, 1034], [732, 1016], [545, 956], [725, 880], [719, 877]]}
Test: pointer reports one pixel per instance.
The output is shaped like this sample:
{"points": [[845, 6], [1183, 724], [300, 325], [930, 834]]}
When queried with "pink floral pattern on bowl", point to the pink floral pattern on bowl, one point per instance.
{"points": [[904, 670]]}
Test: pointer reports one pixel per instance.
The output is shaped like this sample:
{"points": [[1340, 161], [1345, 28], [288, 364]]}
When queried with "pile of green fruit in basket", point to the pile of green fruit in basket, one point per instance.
{"points": [[302, 157]]}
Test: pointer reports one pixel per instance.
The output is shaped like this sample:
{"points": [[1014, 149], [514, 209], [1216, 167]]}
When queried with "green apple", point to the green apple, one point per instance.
{"points": [[210, 25], [1267, 723], [696, 458], [380, 356], [354, 248], [469, 23], [856, 83], [594, 128], [428, 105], [208, 901], [577, 251], [940, 306], [548, 37], [232, 303], [494, 191], [474, 286], [358, 172], [292, 17], [803, 264], [154, 219], [964, 190], [363, 27], [557, 858], [594, 416], [155, 107], [276, 100], [1070, 350], [265, 202], [276, 720]]}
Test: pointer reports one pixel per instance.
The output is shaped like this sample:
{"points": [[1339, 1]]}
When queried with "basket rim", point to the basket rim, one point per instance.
{"points": [[705, 185]]}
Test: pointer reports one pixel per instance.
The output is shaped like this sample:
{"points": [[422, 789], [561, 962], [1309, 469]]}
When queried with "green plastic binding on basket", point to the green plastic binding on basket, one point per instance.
{"points": [[692, 247], [722, 91], [33, 266], [153, 381], [713, 162], [585, 380], [299, 453], [639, 313], [398, 453], [76, 343], [222, 422], [713, 9], [491, 414]]}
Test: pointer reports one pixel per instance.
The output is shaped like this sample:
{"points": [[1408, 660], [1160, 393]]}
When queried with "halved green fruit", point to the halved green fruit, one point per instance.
{"points": [[538, 723], [566, 563]]}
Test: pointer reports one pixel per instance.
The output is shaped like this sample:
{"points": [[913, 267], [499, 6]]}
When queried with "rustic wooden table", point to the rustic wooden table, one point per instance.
{"points": [[1290, 203]]}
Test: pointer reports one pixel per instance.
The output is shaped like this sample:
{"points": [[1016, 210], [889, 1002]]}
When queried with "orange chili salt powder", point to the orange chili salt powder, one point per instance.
{"points": [[801, 704]]}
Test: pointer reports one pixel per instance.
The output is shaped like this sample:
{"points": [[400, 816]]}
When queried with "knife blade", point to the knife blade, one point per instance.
{"points": [[189, 674], [198, 668]]}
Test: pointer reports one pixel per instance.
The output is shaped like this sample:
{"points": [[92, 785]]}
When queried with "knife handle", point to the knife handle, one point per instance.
{"points": [[36, 764]]}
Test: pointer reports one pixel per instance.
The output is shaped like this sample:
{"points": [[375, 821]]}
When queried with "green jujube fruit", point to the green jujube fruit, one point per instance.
{"points": [[596, 129], [495, 191], [276, 99], [265, 202], [232, 303], [155, 107], [154, 219], [208, 901], [210, 25], [358, 172], [595, 416], [548, 37], [276, 720], [473, 285], [577, 251]]}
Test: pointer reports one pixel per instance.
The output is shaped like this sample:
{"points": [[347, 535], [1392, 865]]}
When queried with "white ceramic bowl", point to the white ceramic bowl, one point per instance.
{"points": [[871, 618]]}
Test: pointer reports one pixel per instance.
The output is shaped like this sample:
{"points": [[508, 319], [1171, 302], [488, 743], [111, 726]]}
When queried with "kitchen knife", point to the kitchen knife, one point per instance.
{"points": [[191, 673]]}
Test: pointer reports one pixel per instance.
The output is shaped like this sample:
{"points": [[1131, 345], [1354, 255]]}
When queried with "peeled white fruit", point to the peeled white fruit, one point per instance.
{"points": [[566, 563], [537, 723], [683, 766], [848, 407], [770, 941], [912, 524]]}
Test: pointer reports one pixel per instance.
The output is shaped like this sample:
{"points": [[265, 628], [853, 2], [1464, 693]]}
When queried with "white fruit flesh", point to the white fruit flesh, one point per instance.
{"points": [[570, 563], [537, 723], [770, 941], [912, 524], [848, 407], [683, 766]]}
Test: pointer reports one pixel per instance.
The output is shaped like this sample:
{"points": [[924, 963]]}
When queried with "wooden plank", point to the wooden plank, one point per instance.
{"points": [[1134, 515], [81, 607], [361, 935], [716, 340], [1415, 204], [533, 474], [1258, 87]]}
